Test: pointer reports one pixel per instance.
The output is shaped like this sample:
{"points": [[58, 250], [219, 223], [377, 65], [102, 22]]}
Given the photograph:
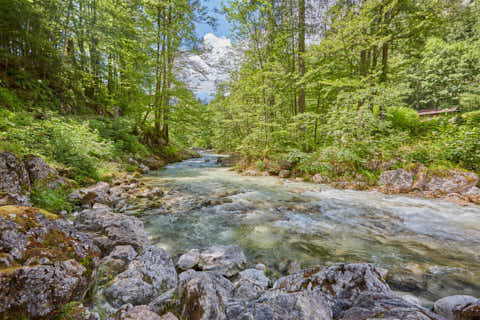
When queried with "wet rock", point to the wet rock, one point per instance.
{"points": [[14, 181], [154, 163], [407, 279], [41, 173], [227, 260], [251, 284], [321, 179], [447, 280], [350, 185], [412, 299], [280, 305], [251, 173], [97, 193], [451, 307], [204, 295], [152, 274], [470, 312], [396, 181], [452, 182], [372, 305], [115, 229], [189, 260], [143, 168], [56, 265]]}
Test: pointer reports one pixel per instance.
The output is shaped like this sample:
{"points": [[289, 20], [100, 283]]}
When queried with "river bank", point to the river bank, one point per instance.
{"points": [[454, 185], [136, 279]]}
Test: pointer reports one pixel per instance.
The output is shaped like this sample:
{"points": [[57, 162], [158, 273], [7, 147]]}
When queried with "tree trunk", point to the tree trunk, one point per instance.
{"points": [[301, 52]]}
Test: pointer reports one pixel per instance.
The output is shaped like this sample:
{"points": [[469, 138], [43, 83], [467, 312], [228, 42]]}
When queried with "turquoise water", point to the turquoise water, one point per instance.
{"points": [[287, 225]]}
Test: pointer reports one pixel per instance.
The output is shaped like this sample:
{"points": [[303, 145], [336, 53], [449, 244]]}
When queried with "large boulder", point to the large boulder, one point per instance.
{"points": [[45, 263], [147, 277], [41, 173], [341, 283], [115, 229], [280, 305], [14, 181], [130, 312], [452, 182], [372, 305], [456, 307], [396, 181], [189, 260], [204, 295], [227, 260]]}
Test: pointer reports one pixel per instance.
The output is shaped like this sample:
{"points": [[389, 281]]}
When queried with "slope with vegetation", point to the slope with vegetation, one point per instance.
{"points": [[346, 106]]}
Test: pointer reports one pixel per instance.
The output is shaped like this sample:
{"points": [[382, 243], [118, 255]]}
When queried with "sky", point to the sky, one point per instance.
{"points": [[223, 28]]}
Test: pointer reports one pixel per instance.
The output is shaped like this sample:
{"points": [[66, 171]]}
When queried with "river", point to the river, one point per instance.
{"points": [[431, 247]]}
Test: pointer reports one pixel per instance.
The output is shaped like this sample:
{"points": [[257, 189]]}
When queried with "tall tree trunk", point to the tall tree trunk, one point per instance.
{"points": [[301, 52]]}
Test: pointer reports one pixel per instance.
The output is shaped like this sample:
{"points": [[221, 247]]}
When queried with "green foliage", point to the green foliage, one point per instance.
{"points": [[52, 200], [9, 99], [472, 118], [121, 132], [403, 118]]}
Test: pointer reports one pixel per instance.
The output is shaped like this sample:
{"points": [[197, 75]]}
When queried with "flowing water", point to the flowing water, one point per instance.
{"points": [[432, 246]]}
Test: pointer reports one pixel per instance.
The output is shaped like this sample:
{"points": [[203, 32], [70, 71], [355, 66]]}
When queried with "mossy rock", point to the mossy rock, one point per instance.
{"points": [[45, 263]]}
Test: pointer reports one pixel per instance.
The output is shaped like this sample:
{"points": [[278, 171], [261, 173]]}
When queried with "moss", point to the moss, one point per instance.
{"points": [[26, 217], [71, 311], [15, 314], [89, 264]]}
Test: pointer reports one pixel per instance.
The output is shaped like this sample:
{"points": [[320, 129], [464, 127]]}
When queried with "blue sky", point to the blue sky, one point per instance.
{"points": [[223, 29]]}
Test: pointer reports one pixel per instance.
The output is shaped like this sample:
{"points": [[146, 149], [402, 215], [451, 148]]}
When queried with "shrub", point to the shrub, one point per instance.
{"points": [[472, 118], [10, 100], [53, 200], [403, 118]]}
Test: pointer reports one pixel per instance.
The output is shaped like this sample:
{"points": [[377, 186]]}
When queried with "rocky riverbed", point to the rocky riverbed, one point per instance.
{"points": [[118, 260]]}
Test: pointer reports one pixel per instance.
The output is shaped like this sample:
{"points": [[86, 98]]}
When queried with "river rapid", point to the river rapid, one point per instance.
{"points": [[430, 247]]}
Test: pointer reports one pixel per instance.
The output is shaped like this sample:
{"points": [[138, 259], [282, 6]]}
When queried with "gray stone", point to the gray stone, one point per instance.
{"points": [[448, 306], [280, 305], [204, 295], [284, 174], [164, 302], [189, 259], [321, 179], [150, 275], [31, 282], [97, 193], [228, 260], [452, 182], [137, 313], [125, 253], [372, 305], [251, 284], [41, 173], [396, 181], [14, 181]]}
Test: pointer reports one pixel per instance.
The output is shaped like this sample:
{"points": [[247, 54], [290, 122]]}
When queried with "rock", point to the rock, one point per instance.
{"points": [[340, 283], [420, 178], [407, 279], [152, 274], [284, 174], [397, 181], [154, 163], [251, 284], [164, 302], [280, 305], [125, 253], [204, 295], [41, 173], [350, 185], [97, 193], [169, 316], [260, 266], [251, 173], [473, 195], [189, 260], [412, 299], [136, 313], [321, 179], [49, 263], [143, 168], [452, 306], [296, 281], [14, 181], [228, 260], [115, 229], [373, 305], [470, 312], [452, 182]]}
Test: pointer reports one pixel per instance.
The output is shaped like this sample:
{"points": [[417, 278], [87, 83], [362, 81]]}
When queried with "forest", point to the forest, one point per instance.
{"points": [[319, 160], [334, 87]]}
